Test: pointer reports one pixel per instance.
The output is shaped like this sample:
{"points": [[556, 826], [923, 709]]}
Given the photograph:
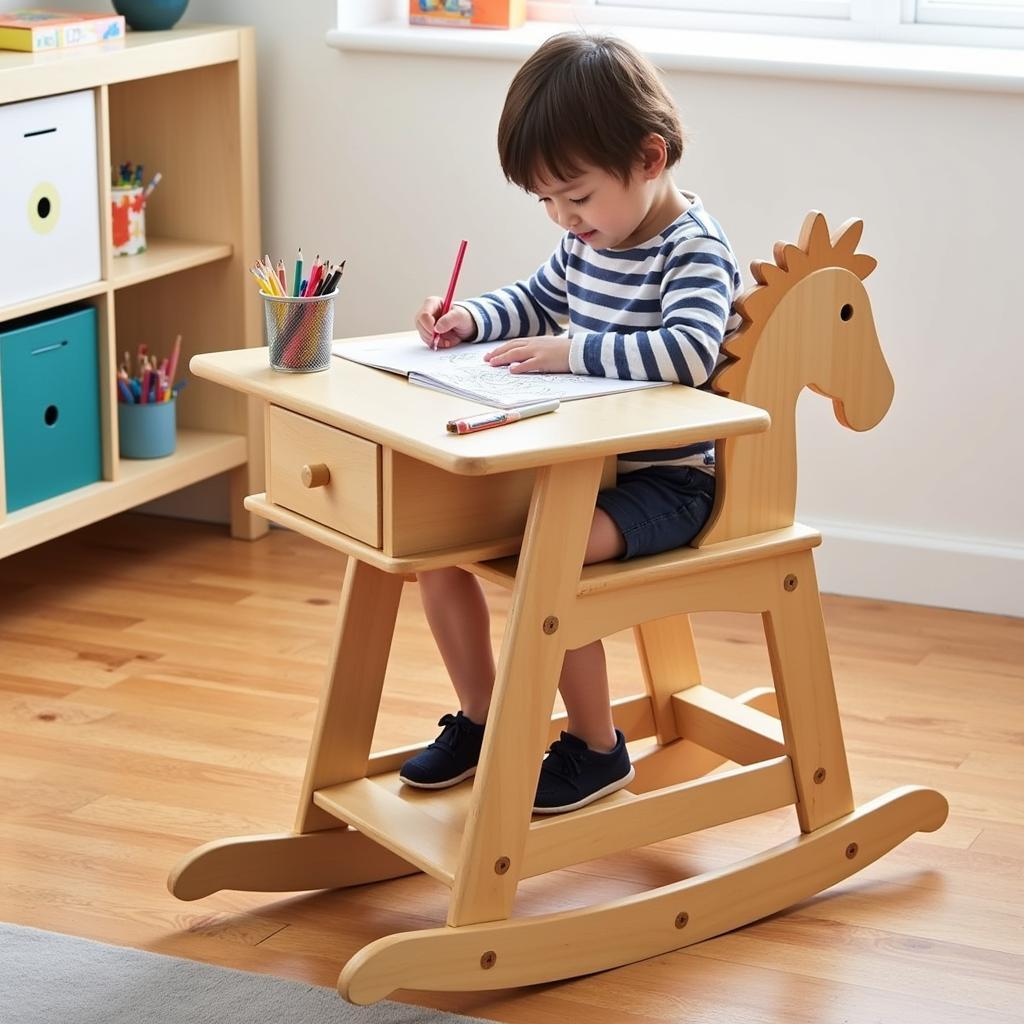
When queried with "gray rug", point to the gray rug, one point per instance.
{"points": [[47, 978]]}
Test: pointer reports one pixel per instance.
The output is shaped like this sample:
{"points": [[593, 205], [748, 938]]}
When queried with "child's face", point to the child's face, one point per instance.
{"points": [[598, 207]]}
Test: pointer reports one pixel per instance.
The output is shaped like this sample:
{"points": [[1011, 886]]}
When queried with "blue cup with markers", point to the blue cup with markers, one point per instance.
{"points": [[147, 406], [147, 430]]}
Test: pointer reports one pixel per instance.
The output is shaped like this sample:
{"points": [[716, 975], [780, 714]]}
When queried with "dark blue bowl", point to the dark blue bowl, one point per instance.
{"points": [[150, 15]]}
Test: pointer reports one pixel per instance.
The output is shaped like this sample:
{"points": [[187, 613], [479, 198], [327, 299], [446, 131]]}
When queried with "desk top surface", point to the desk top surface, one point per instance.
{"points": [[388, 409]]}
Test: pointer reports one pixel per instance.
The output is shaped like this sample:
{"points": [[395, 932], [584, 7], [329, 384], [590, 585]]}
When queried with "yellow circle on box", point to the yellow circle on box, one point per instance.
{"points": [[44, 208]]}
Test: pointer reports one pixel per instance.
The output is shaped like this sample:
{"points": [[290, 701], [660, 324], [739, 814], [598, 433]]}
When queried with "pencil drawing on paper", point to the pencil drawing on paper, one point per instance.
{"points": [[463, 371]]}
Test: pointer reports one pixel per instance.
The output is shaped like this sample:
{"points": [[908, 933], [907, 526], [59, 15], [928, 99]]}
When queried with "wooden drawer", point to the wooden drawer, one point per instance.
{"points": [[427, 509], [325, 474]]}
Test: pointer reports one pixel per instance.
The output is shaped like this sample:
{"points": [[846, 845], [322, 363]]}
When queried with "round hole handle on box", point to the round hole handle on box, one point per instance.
{"points": [[317, 475]]}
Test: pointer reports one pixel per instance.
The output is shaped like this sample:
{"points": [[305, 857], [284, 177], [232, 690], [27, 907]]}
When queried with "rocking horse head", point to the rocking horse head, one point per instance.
{"points": [[807, 323]]}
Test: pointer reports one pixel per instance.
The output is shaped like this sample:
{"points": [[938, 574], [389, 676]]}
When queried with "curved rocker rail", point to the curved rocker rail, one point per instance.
{"points": [[528, 951], [285, 862]]}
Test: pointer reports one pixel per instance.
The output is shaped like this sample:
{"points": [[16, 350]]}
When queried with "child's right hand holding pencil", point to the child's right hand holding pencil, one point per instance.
{"points": [[447, 328]]}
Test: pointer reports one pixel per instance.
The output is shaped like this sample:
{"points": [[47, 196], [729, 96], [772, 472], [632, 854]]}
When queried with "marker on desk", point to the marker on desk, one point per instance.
{"points": [[500, 418], [447, 305]]}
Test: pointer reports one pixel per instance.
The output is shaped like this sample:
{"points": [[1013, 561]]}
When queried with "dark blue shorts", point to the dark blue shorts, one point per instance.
{"points": [[659, 507]]}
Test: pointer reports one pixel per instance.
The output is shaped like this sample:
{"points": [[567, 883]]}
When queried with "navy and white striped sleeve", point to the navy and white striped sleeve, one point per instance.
{"points": [[699, 281], [525, 309]]}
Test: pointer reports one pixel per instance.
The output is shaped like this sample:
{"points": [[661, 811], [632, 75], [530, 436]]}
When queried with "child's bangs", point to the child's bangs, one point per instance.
{"points": [[544, 147]]}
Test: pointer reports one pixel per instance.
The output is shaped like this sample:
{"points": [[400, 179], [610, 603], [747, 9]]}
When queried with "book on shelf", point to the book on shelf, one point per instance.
{"points": [[462, 371], [33, 29]]}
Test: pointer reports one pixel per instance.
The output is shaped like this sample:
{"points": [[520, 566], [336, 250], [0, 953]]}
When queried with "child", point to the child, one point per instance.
{"points": [[646, 279]]}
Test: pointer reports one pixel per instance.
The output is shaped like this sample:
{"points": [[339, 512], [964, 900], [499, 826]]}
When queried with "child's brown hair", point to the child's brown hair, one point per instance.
{"points": [[583, 99]]}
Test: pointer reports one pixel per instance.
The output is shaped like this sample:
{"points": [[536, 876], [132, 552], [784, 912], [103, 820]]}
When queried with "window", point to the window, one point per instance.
{"points": [[967, 22], [997, 13], [796, 8]]}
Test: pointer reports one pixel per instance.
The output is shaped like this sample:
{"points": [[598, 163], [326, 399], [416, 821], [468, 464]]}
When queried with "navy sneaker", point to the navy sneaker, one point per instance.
{"points": [[452, 757], [573, 775]]}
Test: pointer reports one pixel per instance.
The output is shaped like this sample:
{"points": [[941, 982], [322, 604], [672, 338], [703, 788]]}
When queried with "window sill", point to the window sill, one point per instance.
{"points": [[985, 69]]}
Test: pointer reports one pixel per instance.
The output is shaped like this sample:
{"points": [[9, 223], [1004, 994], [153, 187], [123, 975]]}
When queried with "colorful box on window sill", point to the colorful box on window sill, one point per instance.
{"points": [[468, 13]]}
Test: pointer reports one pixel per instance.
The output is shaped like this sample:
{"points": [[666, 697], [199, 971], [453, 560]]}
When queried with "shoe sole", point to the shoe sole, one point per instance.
{"points": [[439, 785], [607, 791]]}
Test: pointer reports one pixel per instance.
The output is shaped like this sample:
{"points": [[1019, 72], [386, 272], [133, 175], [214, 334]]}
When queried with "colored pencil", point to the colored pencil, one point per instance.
{"points": [[447, 305], [172, 363]]}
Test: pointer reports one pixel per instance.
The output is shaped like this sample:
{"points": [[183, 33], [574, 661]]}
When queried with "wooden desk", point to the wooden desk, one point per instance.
{"points": [[404, 494]]}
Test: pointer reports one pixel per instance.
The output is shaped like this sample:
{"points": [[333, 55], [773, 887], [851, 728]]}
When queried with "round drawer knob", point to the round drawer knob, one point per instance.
{"points": [[317, 475]]}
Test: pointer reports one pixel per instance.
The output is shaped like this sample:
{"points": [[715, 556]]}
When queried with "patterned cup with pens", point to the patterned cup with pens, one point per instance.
{"points": [[299, 331], [128, 200]]}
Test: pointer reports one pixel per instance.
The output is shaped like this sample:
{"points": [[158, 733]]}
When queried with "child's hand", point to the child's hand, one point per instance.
{"points": [[532, 355], [455, 326]]}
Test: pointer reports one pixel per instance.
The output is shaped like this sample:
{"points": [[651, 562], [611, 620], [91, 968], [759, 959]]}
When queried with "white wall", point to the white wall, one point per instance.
{"points": [[388, 160]]}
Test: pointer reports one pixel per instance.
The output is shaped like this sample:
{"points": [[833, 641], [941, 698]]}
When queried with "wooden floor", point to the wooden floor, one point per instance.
{"points": [[157, 690]]}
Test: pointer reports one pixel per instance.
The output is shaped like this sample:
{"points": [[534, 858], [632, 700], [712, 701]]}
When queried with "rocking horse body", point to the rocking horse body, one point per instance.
{"points": [[807, 323]]}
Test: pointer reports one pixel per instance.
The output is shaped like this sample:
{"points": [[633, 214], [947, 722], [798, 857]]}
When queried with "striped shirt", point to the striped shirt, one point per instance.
{"points": [[659, 311]]}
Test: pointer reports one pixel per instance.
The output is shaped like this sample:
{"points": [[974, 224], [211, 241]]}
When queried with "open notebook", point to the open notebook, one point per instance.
{"points": [[462, 371]]}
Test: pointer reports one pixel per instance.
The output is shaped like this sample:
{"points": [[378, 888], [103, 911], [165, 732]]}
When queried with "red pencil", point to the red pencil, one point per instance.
{"points": [[314, 276], [451, 289], [172, 363]]}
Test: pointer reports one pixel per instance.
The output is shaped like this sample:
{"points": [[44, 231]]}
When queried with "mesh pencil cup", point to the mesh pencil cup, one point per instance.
{"points": [[299, 332]]}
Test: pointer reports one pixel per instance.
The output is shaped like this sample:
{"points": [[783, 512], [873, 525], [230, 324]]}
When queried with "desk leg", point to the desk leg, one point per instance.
{"points": [[351, 696], [322, 853], [543, 602], [249, 478]]}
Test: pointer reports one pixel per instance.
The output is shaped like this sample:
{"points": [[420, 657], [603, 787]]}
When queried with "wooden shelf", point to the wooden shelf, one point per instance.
{"points": [[141, 55], [37, 305], [164, 256], [199, 454]]}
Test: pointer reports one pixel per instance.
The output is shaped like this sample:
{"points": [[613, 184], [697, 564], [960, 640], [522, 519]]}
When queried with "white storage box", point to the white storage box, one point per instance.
{"points": [[49, 196]]}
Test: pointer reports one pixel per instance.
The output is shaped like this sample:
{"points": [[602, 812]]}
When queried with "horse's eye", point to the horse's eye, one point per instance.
{"points": [[846, 312]]}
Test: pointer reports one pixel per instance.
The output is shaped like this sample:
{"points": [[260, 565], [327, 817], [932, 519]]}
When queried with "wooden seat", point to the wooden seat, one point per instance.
{"points": [[806, 323]]}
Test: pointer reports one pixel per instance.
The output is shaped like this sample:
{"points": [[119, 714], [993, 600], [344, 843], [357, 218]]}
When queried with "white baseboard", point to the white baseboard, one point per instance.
{"points": [[894, 565]]}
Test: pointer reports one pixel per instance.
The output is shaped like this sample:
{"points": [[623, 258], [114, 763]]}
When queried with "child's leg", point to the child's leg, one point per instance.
{"points": [[584, 680], [584, 688], [590, 759], [457, 613]]}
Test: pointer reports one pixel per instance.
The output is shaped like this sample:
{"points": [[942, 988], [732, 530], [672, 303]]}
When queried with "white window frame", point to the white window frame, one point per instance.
{"points": [[784, 8], [952, 12], [939, 22]]}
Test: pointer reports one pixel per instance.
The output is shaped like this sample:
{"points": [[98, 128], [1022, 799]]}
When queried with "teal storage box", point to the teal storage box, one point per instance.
{"points": [[51, 407]]}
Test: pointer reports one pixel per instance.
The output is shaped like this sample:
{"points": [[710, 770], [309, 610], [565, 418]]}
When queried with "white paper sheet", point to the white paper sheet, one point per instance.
{"points": [[462, 371]]}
